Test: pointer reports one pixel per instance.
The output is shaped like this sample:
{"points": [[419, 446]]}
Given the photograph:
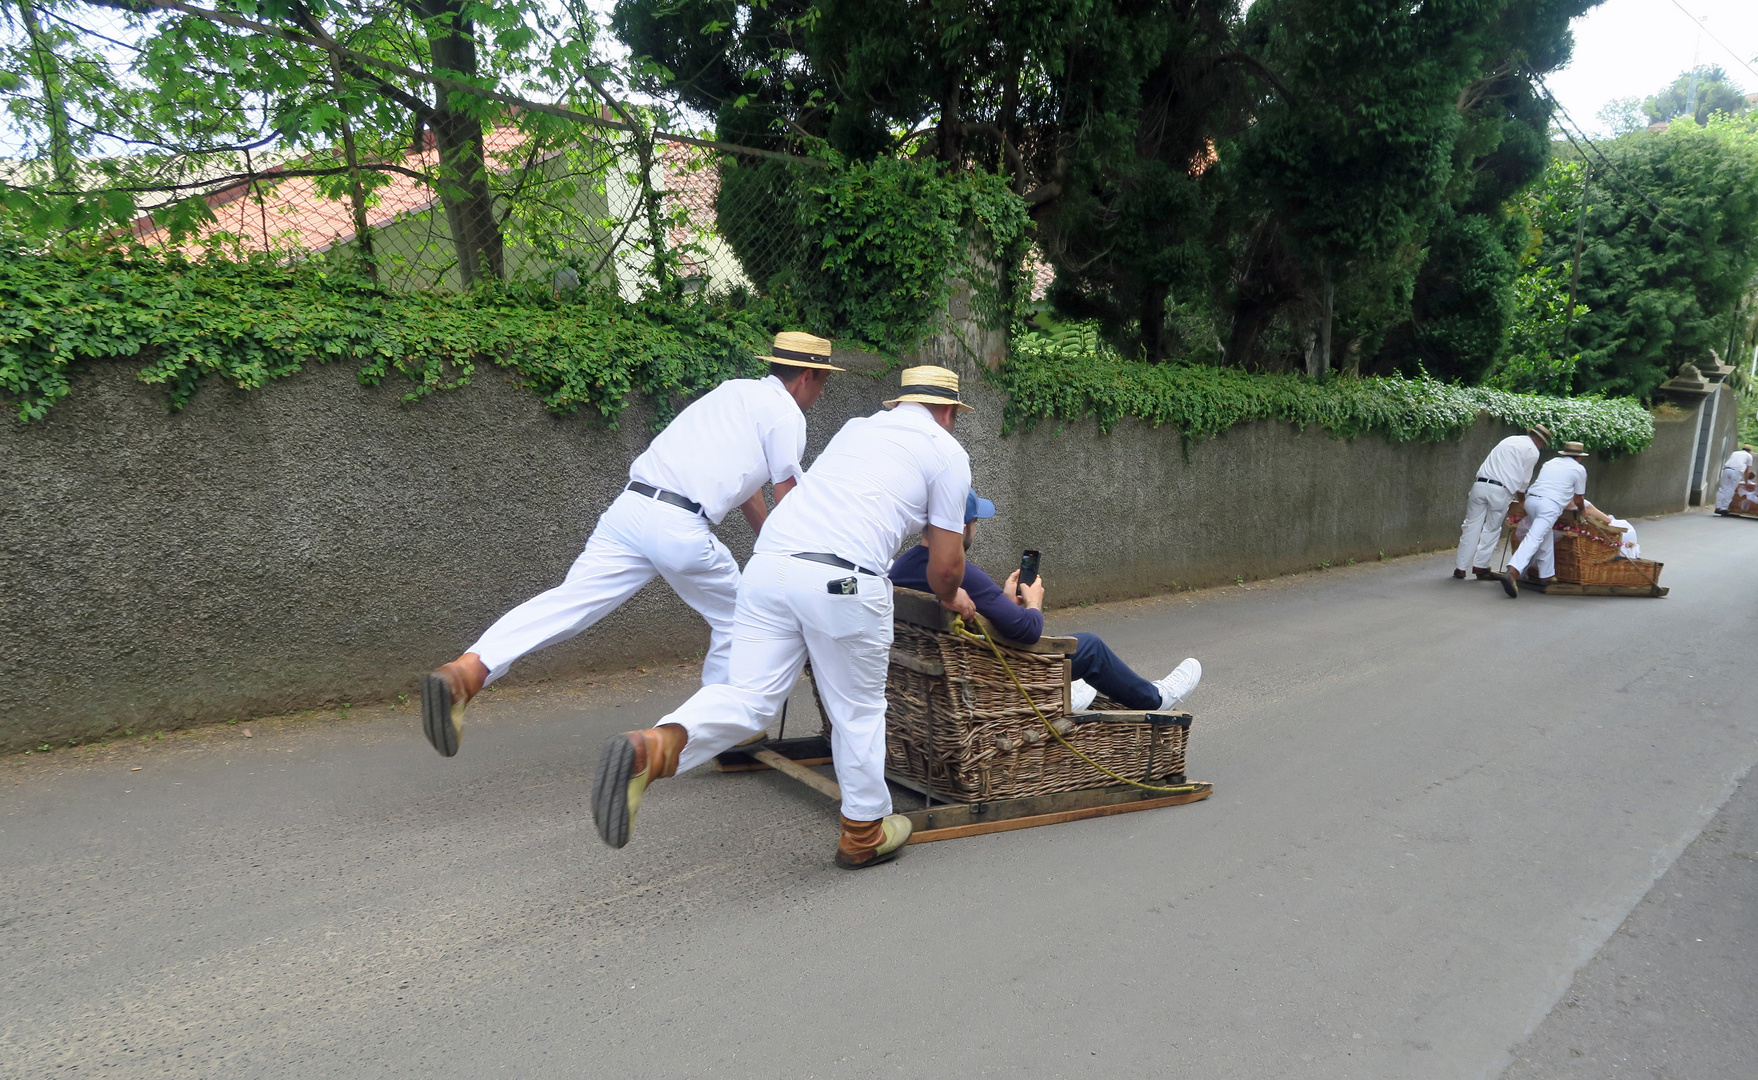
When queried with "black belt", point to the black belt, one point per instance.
{"points": [[833, 560], [665, 496], [1497, 483]]}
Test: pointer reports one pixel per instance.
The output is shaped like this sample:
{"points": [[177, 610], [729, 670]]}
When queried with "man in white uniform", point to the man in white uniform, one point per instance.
{"points": [[1561, 484], [1504, 474], [816, 588], [717, 454], [1736, 471]]}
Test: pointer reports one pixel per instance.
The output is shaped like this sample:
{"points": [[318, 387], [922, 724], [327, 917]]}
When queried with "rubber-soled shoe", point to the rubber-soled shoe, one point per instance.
{"points": [[444, 693], [1177, 686], [869, 843], [1081, 695], [1511, 583], [1484, 573], [1459, 575], [628, 763]]}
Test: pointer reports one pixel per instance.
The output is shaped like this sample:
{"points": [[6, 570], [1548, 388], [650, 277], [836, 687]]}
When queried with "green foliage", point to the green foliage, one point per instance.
{"points": [[1660, 283], [250, 323], [1064, 378], [1533, 363], [877, 244], [1708, 87]]}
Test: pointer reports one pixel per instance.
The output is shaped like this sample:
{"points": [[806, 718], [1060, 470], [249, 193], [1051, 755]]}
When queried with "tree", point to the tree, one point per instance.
{"points": [[1671, 245], [1699, 94], [336, 89]]}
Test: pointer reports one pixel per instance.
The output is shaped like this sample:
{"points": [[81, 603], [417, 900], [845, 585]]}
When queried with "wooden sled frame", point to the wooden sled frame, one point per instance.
{"points": [[1570, 588], [939, 819], [794, 758]]}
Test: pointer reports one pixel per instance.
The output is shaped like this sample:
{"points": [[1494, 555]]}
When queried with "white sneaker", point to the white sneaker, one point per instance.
{"points": [[1080, 696], [1178, 685]]}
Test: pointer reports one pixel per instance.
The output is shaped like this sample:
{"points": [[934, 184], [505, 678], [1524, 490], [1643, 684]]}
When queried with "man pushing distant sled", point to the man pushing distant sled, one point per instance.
{"points": [[717, 454], [1736, 494]]}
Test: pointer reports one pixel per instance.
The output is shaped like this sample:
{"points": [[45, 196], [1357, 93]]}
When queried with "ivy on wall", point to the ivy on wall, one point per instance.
{"points": [[249, 323], [1071, 374]]}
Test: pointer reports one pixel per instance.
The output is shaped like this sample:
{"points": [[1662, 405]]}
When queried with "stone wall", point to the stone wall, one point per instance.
{"points": [[316, 542]]}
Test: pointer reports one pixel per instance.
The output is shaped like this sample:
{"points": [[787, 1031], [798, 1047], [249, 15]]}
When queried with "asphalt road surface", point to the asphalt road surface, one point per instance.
{"points": [[1433, 809]]}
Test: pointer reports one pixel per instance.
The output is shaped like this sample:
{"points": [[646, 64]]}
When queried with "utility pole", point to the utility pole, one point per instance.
{"points": [[1696, 51], [1580, 236]]}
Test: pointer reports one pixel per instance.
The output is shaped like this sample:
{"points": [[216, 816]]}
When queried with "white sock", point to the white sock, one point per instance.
{"points": [[1177, 686]]}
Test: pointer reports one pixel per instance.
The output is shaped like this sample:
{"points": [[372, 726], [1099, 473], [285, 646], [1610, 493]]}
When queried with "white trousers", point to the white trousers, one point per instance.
{"points": [[1485, 510], [786, 613], [1730, 480], [636, 539], [1541, 539]]}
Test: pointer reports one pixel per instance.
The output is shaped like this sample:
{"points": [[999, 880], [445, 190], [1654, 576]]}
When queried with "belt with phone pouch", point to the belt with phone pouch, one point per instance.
{"points": [[834, 560]]}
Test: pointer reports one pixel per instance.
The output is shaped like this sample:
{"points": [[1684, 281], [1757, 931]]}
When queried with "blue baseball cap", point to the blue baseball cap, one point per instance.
{"points": [[975, 507]]}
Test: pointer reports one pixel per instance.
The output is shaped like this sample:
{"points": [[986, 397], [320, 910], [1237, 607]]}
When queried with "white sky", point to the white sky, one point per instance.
{"points": [[1633, 48]]}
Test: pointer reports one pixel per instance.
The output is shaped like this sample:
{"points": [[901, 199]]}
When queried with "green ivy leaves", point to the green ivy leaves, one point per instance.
{"points": [[1069, 374], [251, 323]]}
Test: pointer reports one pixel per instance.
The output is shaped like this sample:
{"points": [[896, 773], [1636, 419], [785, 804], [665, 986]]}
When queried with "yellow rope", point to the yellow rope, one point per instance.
{"points": [[958, 628]]}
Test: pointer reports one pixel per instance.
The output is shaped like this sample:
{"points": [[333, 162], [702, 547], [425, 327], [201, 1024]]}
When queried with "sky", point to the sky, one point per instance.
{"points": [[1633, 48]]}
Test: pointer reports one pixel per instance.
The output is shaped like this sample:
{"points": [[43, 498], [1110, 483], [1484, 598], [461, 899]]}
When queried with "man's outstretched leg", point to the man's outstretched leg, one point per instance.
{"points": [[609, 571], [1097, 670]]}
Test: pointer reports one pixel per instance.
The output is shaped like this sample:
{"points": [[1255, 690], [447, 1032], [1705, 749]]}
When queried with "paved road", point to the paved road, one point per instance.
{"points": [[1433, 807]]}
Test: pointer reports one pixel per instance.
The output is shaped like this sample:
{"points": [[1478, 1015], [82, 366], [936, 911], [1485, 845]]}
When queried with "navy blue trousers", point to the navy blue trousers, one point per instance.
{"points": [[1110, 676]]}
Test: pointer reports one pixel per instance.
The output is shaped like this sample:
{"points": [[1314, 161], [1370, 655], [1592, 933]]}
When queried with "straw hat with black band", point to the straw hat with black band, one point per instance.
{"points": [[1572, 449], [930, 385], [801, 350]]}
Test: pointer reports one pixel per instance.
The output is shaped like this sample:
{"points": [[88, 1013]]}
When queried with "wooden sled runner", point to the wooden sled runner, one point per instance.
{"points": [[959, 733], [1571, 588]]}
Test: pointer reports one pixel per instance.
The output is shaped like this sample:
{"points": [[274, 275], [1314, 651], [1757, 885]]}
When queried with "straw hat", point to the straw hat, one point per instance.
{"points": [[1542, 432], [801, 350], [931, 386], [1572, 449]]}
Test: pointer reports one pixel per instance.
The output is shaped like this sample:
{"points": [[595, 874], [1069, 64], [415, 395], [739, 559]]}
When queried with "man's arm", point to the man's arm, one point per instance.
{"points": [[946, 568], [756, 512]]}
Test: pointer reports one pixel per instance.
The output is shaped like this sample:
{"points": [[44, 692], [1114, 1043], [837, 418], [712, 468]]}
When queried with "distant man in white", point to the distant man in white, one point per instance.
{"points": [[715, 455], [816, 588], [1503, 475], [1734, 472], [1561, 484]]}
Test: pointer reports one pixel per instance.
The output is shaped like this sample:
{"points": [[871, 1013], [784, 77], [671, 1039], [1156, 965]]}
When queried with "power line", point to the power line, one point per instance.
{"points": [[1712, 37], [1619, 173]]}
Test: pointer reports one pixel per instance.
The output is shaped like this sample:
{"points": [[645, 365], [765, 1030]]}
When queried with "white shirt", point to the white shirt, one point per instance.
{"points": [[1740, 461], [881, 478], [726, 444], [1561, 479], [1510, 463]]}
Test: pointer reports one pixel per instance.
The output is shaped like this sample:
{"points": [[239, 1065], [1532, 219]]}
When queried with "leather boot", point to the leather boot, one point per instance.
{"points": [[869, 843], [444, 693], [1484, 573], [628, 763]]}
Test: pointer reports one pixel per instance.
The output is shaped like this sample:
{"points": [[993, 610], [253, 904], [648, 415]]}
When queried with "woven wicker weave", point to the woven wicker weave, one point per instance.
{"points": [[969, 735], [1587, 554]]}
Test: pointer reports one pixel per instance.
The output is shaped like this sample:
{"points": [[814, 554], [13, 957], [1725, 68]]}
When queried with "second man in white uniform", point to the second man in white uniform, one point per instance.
{"points": [[716, 455], [1561, 484], [816, 588], [1503, 475]]}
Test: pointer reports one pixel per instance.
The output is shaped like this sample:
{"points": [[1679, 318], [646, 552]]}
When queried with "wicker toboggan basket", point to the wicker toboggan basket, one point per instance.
{"points": [[1587, 553], [957, 727]]}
